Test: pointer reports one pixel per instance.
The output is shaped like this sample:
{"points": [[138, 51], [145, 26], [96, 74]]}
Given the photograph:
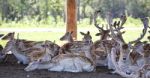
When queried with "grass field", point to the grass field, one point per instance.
{"points": [[54, 36], [59, 29]]}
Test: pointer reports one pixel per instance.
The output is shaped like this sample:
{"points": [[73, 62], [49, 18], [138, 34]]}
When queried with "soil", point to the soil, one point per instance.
{"points": [[9, 68]]}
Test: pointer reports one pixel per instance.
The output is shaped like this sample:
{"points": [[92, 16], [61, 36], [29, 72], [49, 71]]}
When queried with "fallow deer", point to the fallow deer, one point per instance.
{"points": [[98, 47], [50, 50], [121, 65], [64, 62], [23, 44], [103, 46], [82, 48], [22, 53]]}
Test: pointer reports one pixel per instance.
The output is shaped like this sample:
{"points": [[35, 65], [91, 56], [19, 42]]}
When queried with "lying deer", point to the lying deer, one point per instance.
{"points": [[102, 47], [23, 56], [63, 62], [21, 43], [123, 66], [82, 48]]}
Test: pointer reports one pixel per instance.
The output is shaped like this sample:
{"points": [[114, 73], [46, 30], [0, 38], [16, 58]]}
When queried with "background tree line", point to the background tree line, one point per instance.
{"points": [[16, 10]]}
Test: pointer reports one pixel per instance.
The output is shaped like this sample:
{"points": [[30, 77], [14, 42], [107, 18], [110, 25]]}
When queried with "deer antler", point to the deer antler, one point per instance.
{"points": [[145, 22], [123, 19], [95, 22], [117, 27]]}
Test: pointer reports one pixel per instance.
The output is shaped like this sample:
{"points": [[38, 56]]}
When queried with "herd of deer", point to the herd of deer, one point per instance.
{"points": [[131, 60]]}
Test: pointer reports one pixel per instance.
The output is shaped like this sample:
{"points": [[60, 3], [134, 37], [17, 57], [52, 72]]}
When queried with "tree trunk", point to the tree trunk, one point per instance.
{"points": [[71, 17]]}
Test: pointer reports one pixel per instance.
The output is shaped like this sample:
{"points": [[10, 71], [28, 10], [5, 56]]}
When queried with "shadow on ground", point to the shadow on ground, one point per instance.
{"points": [[10, 69]]}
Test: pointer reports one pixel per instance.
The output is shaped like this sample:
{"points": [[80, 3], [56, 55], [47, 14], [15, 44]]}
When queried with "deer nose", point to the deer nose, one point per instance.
{"points": [[124, 58]]}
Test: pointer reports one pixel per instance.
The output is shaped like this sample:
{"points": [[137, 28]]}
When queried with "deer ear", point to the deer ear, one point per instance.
{"points": [[82, 33], [88, 32], [98, 34]]}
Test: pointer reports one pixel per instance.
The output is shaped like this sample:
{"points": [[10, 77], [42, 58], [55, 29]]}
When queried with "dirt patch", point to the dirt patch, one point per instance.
{"points": [[10, 69]]}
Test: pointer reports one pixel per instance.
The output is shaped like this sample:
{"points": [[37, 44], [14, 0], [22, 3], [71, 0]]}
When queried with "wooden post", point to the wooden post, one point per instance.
{"points": [[71, 15]]}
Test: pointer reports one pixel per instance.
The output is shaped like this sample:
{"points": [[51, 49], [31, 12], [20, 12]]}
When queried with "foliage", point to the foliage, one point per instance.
{"points": [[53, 11]]}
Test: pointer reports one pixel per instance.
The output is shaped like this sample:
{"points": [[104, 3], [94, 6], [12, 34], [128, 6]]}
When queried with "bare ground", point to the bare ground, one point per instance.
{"points": [[10, 69]]}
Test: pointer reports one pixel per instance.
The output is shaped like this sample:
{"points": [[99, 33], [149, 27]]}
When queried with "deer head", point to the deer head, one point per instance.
{"points": [[9, 46], [9, 36], [86, 37], [67, 37], [104, 33]]}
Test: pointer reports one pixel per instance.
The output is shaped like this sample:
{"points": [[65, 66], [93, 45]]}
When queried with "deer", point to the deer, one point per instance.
{"points": [[123, 66], [63, 62], [50, 50], [77, 47], [98, 49], [15, 46], [22, 44], [102, 47]]}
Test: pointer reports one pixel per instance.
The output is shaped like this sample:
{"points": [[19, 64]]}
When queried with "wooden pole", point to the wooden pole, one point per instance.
{"points": [[71, 14]]}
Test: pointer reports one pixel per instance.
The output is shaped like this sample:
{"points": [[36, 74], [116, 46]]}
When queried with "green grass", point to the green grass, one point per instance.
{"points": [[83, 25], [54, 36]]}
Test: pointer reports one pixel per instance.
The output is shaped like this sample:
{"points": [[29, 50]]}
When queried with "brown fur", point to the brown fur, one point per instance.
{"points": [[35, 55]]}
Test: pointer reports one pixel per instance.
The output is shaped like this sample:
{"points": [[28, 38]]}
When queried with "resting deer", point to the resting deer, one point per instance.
{"points": [[82, 48], [21, 43], [102, 47], [23, 55], [50, 50], [64, 62], [122, 67]]}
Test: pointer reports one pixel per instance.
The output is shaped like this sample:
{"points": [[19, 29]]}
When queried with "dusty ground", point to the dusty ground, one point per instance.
{"points": [[10, 69]]}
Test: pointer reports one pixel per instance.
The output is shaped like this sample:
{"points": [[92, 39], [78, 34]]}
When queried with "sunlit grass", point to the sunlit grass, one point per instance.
{"points": [[83, 25], [55, 36]]}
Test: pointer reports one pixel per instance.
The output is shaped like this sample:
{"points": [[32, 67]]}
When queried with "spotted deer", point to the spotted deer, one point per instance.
{"points": [[50, 50], [64, 62], [82, 48], [22, 48], [23, 44], [102, 47], [123, 65]]}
